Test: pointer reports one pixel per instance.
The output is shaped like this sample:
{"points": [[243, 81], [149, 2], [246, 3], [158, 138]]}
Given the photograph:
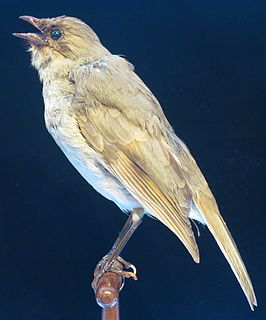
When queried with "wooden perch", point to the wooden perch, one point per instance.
{"points": [[107, 295], [107, 289]]}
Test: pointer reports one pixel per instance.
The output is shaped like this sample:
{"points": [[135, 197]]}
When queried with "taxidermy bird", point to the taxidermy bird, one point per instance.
{"points": [[113, 130]]}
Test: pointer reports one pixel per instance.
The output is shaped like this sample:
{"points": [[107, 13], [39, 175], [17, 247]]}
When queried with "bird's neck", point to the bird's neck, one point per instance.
{"points": [[61, 69], [55, 71]]}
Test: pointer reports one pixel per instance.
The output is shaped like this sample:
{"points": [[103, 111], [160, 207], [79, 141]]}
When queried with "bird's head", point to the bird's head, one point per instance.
{"points": [[61, 40]]}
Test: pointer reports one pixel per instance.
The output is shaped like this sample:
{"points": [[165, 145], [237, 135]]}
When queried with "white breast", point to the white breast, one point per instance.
{"points": [[62, 126]]}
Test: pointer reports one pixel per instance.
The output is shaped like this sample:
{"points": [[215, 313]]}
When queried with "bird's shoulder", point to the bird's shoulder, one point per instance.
{"points": [[111, 81], [105, 65], [111, 72]]}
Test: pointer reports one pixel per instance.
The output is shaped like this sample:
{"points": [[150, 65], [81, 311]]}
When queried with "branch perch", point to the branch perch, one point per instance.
{"points": [[107, 294]]}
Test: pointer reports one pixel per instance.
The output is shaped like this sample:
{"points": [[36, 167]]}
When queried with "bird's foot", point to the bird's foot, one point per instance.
{"points": [[127, 266], [118, 266]]}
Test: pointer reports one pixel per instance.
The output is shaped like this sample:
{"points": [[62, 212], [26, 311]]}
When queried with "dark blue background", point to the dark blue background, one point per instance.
{"points": [[205, 62]]}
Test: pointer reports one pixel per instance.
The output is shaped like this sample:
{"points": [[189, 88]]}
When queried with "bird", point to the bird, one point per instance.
{"points": [[113, 130]]}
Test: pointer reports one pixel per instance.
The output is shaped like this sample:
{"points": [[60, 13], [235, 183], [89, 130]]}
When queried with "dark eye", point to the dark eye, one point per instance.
{"points": [[55, 34]]}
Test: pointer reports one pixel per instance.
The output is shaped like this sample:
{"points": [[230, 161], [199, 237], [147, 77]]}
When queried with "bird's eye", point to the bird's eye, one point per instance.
{"points": [[55, 34]]}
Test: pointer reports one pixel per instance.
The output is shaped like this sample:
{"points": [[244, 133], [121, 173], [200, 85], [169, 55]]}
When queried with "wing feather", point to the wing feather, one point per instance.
{"points": [[151, 197]]}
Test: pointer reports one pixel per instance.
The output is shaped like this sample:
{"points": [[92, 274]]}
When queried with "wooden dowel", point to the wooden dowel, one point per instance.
{"points": [[107, 295], [111, 313]]}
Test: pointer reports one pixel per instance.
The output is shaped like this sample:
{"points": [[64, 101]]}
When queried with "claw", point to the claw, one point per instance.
{"points": [[128, 265], [118, 266], [128, 274]]}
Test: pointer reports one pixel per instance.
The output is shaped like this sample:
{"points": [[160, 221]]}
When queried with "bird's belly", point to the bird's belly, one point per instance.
{"points": [[68, 137]]}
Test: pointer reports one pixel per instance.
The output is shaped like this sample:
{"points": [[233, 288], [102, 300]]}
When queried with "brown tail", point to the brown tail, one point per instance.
{"points": [[223, 237]]}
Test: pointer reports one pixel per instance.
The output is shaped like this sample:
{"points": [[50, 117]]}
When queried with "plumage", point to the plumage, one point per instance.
{"points": [[113, 130]]}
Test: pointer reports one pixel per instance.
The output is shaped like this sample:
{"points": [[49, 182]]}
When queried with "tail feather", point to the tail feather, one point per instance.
{"points": [[207, 212], [225, 241]]}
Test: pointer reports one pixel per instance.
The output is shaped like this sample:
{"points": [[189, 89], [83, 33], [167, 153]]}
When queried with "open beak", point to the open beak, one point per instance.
{"points": [[36, 38]]}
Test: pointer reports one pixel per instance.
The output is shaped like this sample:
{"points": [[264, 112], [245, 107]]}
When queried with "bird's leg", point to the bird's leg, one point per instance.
{"points": [[108, 261], [133, 221]]}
